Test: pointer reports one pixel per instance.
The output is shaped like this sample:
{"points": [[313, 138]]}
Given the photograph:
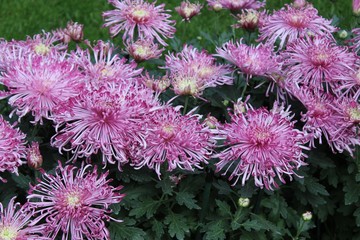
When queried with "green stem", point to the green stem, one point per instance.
{"points": [[300, 229], [186, 104], [244, 90]]}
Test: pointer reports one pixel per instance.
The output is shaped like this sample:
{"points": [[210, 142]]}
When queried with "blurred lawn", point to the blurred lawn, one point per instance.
{"points": [[19, 18]]}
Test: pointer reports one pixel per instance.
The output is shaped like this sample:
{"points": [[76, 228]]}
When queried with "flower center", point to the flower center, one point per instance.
{"points": [[186, 86], [205, 72], [8, 233], [73, 199], [167, 131], [107, 71], [321, 57], [297, 20], [357, 77], [41, 49], [262, 136], [140, 15], [354, 114], [142, 51]]}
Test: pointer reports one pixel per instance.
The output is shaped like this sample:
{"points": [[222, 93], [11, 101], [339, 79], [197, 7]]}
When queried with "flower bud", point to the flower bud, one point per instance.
{"points": [[243, 202], [248, 19], [143, 50], [307, 216], [342, 34], [299, 3], [211, 122], [75, 31], [188, 10], [239, 107], [34, 157]]}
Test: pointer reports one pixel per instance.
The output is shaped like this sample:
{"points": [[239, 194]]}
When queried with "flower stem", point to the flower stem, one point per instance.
{"points": [[186, 104]]}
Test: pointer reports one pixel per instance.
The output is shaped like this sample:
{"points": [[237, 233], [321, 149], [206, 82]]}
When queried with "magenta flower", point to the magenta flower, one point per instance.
{"points": [[237, 5], [349, 83], [250, 60], [263, 144], [74, 202], [188, 10], [318, 60], [144, 49], [16, 224], [37, 84], [158, 85], [101, 66], [355, 40], [175, 140], [12, 147], [191, 71], [103, 120], [335, 119], [150, 21], [290, 23], [248, 19], [34, 157]]}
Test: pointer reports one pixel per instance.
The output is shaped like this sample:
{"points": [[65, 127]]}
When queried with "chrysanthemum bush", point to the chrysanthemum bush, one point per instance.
{"points": [[252, 134]]}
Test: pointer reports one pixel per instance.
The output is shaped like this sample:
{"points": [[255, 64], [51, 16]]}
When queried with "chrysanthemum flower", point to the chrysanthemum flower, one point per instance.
{"points": [[12, 147], [355, 40], [318, 60], [144, 49], [101, 66], [149, 20], [263, 144], [176, 141], [250, 60], [290, 23], [73, 31], [237, 5], [74, 202], [192, 71], [335, 119], [104, 120], [37, 84], [188, 10], [248, 19], [157, 85], [15, 221], [34, 157], [214, 5], [356, 7], [349, 84]]}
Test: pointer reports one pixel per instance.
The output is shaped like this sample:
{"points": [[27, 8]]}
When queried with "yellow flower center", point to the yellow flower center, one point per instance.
{"points": [[41, 49], [8, 233], [140, 15], [142, 51], [187, 86], [73, 199], [354, 114], [107, 71], [205, 72]]}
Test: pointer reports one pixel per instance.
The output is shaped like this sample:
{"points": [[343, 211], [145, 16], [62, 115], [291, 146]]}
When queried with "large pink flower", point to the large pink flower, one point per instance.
{"points": [[290, 23], [74, 202], [315, 61], [257, 60], [191, 71], [149, 20], [12, 147], [15, 223], [103, 120], [237, 5], [262, 144], [37, 84], [175, 140]]}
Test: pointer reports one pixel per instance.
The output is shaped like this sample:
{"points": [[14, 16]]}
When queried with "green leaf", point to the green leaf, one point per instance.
{"points": [[21, 180], [314, 187], [147, 207], [187, 199], [357, 216], [352, 192], [120, 231], [239, 216], [177, 225], [166, 186], [215, 230], [223, 187], [158, 228], [224, 208]]}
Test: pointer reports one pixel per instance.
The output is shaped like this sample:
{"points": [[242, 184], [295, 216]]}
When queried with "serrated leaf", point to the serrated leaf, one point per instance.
{"points": [[147, 208], [120, 231], [357, 216], [352, 192], [223, 187], [215, 230], [21, 180], [250, 225], [177, 225], [224, 208], [187, 199], [314, 187], [158, 228], [239, 216], [165, 186]]}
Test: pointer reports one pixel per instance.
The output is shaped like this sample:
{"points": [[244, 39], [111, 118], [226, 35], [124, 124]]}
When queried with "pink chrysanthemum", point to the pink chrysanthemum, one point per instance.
{"points": [[214, 5], [349, 83], [104, 120], [237, 5], [290, 23], [318, 60], [15, 221], [12, 147], [74, 202], [156, 84], [144, 49], [195, 70], [150, 21], [335, 119], [37, 84], [176, 141], [355, 40], [250, 60], [188, 10], [263, 144], [101, 66]]}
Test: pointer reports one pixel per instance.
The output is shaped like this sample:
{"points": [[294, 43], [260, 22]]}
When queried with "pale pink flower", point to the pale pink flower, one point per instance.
{"points": [[214, 5], [248, 19], [349, 83], [335, 119], [15, 221], [73, 31], [37, 84], [299, 3], [355, 40], [12, 147], [315, 61], [290, 23], [262, 144], [251, 60], [176, 141], [188, 10], [158, 85], [101, 66], [149, 20], [104, 120], [144, 49], [191, 71], [356, 7], [74, 202], [237, 5]]}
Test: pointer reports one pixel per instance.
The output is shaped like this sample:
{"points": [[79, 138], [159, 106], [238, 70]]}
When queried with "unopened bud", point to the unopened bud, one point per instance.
{"points": [[243, 202], [188, 10], [343, 34], [211, 122], [239, 107], [34, 157], [299, 3], [75, 31], [248, 19], [217, 7], [225, 102], [307, 216]]}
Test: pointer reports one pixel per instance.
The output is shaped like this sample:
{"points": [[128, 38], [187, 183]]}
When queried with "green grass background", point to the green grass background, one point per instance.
{"points": [[19, 18]]}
